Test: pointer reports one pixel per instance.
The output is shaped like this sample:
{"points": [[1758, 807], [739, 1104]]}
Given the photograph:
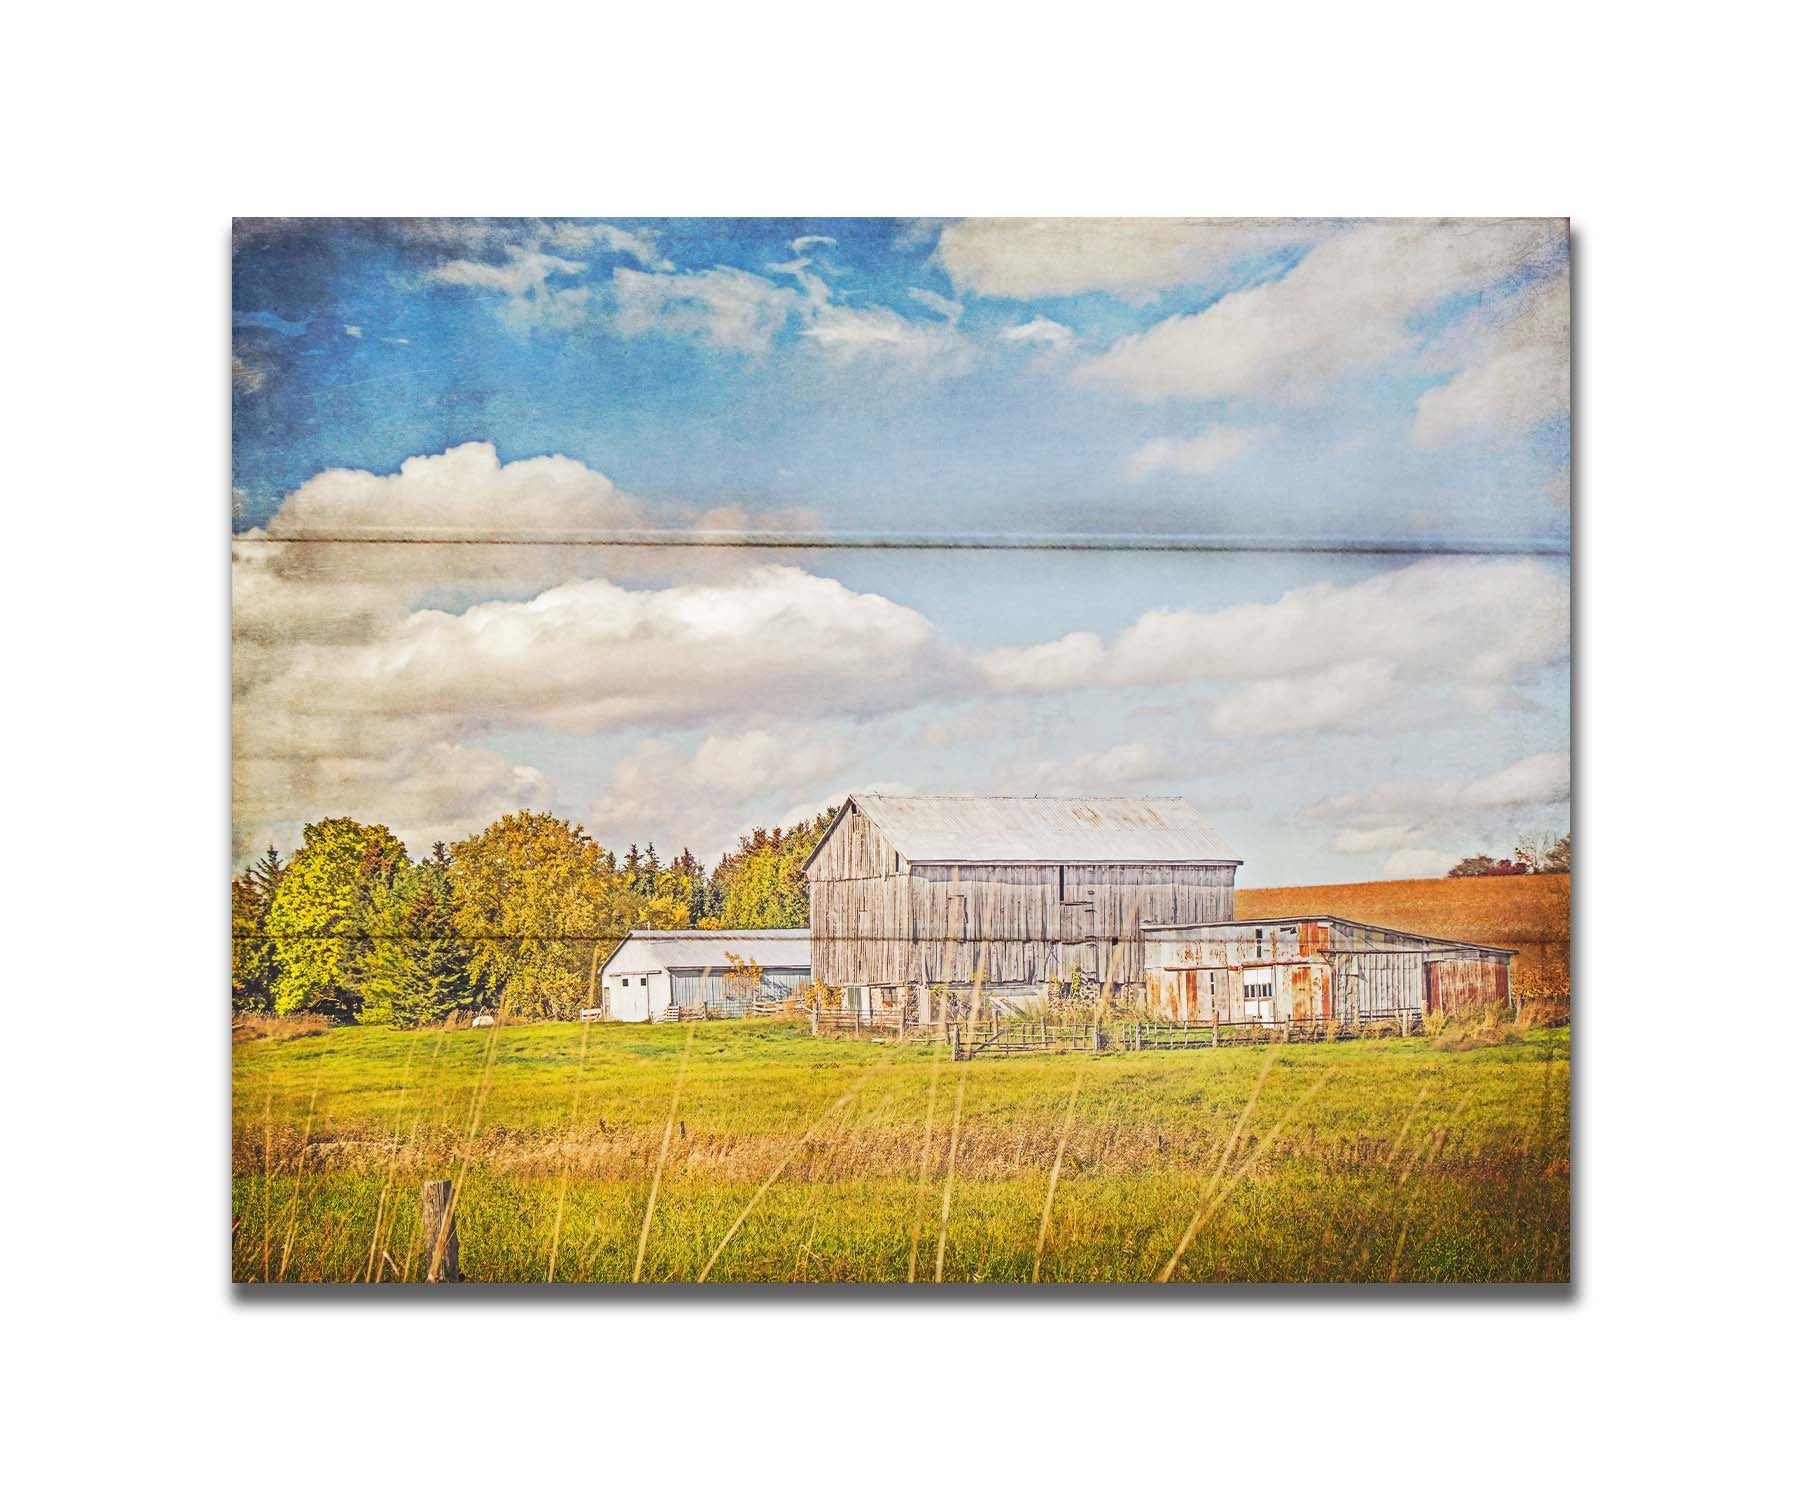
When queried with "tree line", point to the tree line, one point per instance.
{"points": [[1535, 854], [518, 916]]}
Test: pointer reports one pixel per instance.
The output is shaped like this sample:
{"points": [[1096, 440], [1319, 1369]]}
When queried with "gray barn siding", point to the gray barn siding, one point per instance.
{"points": [[937, 924]]}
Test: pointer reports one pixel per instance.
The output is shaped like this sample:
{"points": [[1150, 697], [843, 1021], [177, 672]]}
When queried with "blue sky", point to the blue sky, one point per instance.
{"points": [[1398, 383]]}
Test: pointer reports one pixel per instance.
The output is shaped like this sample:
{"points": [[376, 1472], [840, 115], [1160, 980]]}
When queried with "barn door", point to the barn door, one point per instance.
{"points": [[1302, 991]]}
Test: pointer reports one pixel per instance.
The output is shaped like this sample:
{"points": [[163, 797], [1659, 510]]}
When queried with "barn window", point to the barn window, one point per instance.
{"points": [[1062, 876], [1259, 984], [1212, 983], [1259, 942]]}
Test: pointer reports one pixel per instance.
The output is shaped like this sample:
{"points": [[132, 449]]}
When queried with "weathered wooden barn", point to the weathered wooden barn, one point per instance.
{"points": [[911, 893], [1307, 969], [653, 973]]}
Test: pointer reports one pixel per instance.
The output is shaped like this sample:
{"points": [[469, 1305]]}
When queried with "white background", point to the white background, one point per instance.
{"points": [[135, 135]]}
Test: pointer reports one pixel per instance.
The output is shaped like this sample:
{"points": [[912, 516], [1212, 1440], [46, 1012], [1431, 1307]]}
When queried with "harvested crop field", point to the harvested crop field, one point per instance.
{"points": [[1529, 913]]}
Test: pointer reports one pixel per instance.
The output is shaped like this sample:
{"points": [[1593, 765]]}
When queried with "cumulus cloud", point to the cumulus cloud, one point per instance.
{"points": [[1417, 821], [1517, 374], [1076, 660], [466, 490], [345, 679], [1043, 332], [1133, 259], [729, 782], [1200, 454], [1328, 656], [727, 307], [1349, 305], [591, 655]]}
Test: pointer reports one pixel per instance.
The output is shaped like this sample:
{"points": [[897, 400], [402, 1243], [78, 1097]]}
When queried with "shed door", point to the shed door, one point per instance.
{"points": [[1302, 993]]}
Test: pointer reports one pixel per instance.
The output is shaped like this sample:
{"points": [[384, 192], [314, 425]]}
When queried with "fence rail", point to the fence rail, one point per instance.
{"points": [[1011, 1036]]}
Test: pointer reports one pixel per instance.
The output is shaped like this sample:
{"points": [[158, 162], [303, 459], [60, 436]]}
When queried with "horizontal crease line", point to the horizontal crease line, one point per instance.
{"points": [[925, 542]]}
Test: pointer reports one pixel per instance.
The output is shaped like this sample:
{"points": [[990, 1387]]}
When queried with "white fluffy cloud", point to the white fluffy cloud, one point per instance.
{"points": [[728, 782], [591, 655], [1131, 258], [1328, 656], [346, 683], [725, 306], [1045, 333], [1347, 306], [464, 491], [1517, 374], [1417, 822], [1201, 454]]}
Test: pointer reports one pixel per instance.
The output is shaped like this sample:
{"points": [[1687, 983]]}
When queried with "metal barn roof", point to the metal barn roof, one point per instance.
{"points": [[1323, 919], [1044, 830], [773, 948]]}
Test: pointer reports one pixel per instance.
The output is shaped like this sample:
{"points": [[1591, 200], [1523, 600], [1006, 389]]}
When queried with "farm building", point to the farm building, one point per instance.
{"points": [[908, 893], [1307, 969], [653, 974]]}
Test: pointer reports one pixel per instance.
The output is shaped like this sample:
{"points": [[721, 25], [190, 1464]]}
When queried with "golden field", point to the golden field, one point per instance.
{"points": [[1529, 913]]}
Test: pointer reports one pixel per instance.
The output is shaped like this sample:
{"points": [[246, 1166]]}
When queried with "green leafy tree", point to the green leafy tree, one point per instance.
{"points": [[416, 970], [539, 903], [321, 912], [760, 883]]}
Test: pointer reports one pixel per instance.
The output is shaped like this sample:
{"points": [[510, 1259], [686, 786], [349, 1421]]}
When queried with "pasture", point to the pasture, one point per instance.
{"points": [[751, 1152]]}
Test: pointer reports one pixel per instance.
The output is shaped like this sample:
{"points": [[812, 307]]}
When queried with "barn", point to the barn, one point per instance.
{"points": [[653, 975], [1312, 969], [909, 893]]}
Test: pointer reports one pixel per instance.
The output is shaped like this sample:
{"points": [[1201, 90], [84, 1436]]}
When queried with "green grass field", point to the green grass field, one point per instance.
{"points": [[1355, 1161]]}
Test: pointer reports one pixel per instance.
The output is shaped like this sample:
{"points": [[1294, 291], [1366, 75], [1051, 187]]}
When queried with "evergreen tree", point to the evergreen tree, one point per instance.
{"points": [[253, 967], [416, 970]]}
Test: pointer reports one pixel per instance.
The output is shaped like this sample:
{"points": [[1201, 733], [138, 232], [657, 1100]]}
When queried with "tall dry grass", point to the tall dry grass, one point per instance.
{"points": [[1406, 1161]]}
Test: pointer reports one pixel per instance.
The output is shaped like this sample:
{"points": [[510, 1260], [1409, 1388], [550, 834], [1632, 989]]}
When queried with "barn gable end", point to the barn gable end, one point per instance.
{"points": [[912, 892]]}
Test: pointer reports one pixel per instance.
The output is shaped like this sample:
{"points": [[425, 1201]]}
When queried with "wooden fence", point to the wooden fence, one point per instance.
{"points": [[1002, 1036]]}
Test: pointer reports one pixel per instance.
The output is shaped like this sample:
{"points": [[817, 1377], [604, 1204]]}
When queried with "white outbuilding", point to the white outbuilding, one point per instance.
{"points": [[652, 975]]}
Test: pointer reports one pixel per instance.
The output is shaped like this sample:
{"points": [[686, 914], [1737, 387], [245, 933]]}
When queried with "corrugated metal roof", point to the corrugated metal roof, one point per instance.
{"points": [[1267, 923], [773, 948], [1048, 830]]}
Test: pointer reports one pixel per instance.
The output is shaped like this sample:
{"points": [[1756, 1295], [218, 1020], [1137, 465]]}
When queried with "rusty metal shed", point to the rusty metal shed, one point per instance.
{"points": [[1310, 969]]}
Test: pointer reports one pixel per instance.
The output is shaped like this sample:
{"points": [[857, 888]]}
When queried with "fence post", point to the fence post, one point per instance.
{"points": [[813, 1011], [955, 1039], [440, 1230], [1215, 1026]]}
